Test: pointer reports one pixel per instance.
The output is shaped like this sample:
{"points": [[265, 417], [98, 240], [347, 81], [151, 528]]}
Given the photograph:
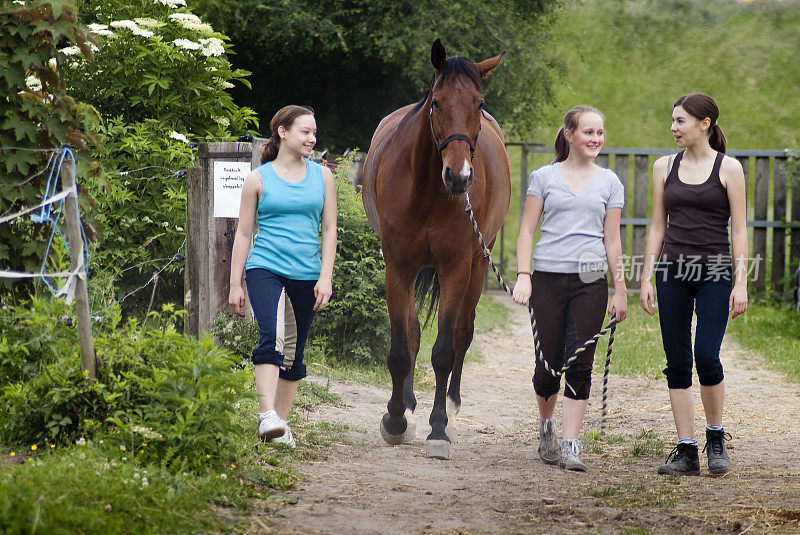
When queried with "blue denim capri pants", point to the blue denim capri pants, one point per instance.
{"points": [[706, 292], [284, 310]]}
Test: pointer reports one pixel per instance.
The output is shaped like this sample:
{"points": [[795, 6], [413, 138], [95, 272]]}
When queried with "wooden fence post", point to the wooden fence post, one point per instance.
{"points": [[621, 164], [779, 233], [77, 261], [639, 208], [760, 213], [209, 235]]}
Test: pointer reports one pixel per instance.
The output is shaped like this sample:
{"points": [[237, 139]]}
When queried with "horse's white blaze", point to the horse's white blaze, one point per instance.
{"points": [[465, 171]]}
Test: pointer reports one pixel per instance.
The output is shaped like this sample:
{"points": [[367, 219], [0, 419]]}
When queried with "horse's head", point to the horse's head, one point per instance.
{"points": [[456, 105]]}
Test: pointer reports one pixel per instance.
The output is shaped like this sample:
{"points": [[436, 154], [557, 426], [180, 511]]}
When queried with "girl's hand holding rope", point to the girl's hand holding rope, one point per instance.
{"points": [[618, 306]]}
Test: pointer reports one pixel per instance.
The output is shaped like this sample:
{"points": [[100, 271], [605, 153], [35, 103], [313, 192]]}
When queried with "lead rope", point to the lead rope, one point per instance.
{"points": [[609, 329]]}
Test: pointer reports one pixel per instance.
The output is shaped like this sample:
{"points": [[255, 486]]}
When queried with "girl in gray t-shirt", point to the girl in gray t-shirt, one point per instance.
{"points": [[579, 205]]}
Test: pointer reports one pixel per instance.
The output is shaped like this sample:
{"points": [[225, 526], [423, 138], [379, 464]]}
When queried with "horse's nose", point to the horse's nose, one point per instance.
{"points": [[458, 182]]}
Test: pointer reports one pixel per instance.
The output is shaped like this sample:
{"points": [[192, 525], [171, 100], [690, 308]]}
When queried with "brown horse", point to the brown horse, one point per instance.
{"points": [[422, 159]]}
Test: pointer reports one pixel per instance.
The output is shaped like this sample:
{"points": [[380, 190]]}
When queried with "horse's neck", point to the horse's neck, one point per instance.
{"points": [[425, 159]]}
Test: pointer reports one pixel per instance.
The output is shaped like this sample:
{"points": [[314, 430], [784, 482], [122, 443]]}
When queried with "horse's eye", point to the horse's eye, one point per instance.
{"points": [[435, 104], [482, 105]]}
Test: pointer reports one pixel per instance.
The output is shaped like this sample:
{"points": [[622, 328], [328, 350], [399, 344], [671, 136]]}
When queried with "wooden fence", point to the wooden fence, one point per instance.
{"points": [[773, 205]]}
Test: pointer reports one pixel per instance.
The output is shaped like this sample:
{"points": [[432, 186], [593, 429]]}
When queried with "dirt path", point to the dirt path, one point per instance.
{"points": [[495, 482]]}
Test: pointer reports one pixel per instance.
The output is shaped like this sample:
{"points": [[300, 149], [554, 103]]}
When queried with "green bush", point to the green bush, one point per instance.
{"points": [[33, 334], [354, 327], [166, 398], [236, 335]]}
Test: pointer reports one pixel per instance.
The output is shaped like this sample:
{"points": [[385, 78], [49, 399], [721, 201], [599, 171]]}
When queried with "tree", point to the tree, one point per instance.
{"points": [[36, 114], [355, 61]]}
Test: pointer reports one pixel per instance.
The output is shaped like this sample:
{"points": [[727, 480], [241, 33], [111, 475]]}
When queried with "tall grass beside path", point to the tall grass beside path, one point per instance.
{"points": [[771, 330]]}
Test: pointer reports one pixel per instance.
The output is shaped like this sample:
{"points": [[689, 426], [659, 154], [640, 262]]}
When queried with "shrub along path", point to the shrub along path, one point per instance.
{"points": [[495, 481]]}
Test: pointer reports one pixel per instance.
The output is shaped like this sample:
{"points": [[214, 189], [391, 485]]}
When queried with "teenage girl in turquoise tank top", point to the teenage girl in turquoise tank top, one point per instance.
{"points": [[287, 281]]}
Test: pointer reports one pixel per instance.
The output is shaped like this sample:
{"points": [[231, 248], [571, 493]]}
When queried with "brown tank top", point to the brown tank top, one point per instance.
{"points": [[697, 217]]}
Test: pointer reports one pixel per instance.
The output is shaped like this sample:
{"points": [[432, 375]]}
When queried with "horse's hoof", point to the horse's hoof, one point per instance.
{"points": [[405, 437], [437, 449]]}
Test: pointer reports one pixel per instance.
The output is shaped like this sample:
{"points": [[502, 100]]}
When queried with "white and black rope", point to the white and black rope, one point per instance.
{"points": [[609, 329]]}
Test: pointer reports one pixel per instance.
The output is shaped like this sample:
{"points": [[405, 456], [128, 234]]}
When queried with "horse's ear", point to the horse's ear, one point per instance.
{"points": [[438, 55], [486, 66]]}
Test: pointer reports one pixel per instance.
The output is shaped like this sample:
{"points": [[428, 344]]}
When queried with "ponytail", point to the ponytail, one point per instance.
{"points": [[270, 150], [700, 106], [561, 146], [716, 138]]}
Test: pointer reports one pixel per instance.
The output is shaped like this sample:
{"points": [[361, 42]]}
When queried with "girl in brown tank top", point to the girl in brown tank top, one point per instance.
{"points": [[690, 221], [697, 217]]}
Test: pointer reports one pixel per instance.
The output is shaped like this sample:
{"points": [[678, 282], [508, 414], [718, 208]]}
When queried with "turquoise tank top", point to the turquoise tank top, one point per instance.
{"points": [[288, 215]]}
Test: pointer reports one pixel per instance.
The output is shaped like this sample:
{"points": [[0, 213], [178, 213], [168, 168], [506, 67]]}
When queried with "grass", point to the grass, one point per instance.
{"points": [[637, 350], [771, 330], [92, 488], [632, 494], [740, 53]]}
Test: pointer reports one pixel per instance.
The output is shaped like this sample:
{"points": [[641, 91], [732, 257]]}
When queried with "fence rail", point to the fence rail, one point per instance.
{"points": [[773, 204]]}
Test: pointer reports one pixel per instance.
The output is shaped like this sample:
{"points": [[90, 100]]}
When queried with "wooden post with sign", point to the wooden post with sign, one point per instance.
{"points": [[213, 192]]}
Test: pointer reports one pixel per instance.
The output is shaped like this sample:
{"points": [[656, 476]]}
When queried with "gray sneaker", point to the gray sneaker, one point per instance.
{"points": [[549, 452], [718, 460], [286, 439], [570, 455], [681, 461]]}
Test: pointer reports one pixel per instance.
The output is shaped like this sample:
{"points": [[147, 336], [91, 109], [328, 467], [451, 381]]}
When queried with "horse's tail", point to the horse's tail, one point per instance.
{"points": [[427, 292]]}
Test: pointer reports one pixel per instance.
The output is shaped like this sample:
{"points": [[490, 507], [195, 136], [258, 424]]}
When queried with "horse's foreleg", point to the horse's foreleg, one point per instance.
{"points": [[437, 444], [408, 385], [465, 329], [399, 299]]}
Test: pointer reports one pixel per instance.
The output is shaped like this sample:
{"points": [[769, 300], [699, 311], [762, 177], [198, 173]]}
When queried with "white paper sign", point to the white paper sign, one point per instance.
{"points": [[228, 182]]}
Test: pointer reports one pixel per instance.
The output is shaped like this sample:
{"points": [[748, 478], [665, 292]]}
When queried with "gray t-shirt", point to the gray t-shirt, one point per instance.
{"points": [[572, 223]]}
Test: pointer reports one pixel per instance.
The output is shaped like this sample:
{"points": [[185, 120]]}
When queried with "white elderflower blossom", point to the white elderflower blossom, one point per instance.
{"points": [[33, 83], [129, 24], [212, 47], [171, 3], [105, 33], [147, 22], [143, 33], [178, 17], [187, 44], [95, 27], [223, 121], [70, 51], [179, 137]]}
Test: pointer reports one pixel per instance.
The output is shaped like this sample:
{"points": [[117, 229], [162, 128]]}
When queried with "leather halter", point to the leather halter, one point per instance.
{"points": [[453, 137]]}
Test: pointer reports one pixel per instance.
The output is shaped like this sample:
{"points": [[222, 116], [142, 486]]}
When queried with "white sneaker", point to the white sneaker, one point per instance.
{"points": [[270, 425], [287, 438]]}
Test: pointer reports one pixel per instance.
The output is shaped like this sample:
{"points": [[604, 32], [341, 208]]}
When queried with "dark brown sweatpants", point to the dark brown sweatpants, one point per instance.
{"points": [[554, 296]]}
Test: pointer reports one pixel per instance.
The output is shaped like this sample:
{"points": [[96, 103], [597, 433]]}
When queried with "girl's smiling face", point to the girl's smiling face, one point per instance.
{"points": [[301, 136], [588, 138]]}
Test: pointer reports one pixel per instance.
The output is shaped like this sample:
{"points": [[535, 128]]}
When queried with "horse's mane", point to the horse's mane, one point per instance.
{"points": [[456, 66]]}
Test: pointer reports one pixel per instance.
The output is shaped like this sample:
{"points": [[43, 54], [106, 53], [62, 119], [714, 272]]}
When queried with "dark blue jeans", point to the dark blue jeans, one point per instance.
{"points": [[282, 338], [705, 291]]}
